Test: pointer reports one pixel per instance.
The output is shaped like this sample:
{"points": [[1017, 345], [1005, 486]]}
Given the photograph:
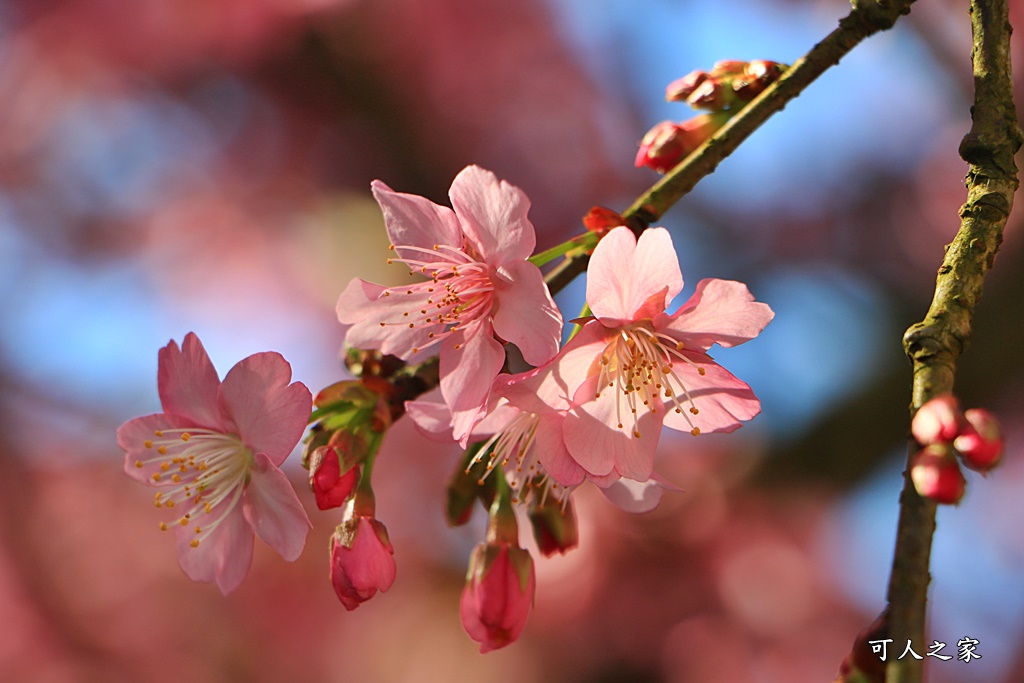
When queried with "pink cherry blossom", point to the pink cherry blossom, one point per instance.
{"points": [[527, 446], [498, 595], [362, 560], [634, 368], [215, 452], [479, 288]]}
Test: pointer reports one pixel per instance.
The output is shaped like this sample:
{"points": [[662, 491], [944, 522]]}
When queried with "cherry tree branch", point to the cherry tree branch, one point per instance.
{"points": [[934, 344], [867, 18]]}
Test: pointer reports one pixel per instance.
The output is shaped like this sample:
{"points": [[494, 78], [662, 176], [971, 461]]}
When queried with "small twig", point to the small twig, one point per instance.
{"points": [[934, 344], [867, 18]]}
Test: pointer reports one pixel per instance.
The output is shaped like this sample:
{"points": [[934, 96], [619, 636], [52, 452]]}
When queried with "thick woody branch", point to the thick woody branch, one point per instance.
{"points": [[934, 344]]}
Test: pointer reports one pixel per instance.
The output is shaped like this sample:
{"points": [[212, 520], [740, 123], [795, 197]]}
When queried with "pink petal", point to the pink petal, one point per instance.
{"points": [[274, 511], [720, 311], [526, 315], [493, 215], [187, 382], [132, 437], [371, 565], [722, 399], [597, 443], [634, 496], [269, 413], [630, 280], [553, 454], [467, 374], [224, 556], [432, 419], [552, 386], [416, 221], [364, 306]]}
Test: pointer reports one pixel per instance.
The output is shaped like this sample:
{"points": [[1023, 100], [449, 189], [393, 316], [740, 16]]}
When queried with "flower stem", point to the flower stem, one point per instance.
{"points": [[586, 242], [934, 344]]}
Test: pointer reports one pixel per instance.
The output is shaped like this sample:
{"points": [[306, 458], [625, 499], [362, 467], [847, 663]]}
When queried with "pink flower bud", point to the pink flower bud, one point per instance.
{"points": [[679, 89], [362, 560], [937, 475], [668, 143], [980, 442], [330, 485], [498, 594], [554, 526], [938, 421]]}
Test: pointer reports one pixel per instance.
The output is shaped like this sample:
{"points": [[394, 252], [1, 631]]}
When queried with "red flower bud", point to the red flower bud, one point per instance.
{"points": [[711, 94], [601, 220], [938, 421], [554, 526], [668, 143], [498, 594], [937, 475], [330, 485], [980, 443], [362, 560]]}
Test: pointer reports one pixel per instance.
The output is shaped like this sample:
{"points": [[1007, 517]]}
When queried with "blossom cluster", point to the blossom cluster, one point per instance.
{"points": [[944, 432], [590, 410]]}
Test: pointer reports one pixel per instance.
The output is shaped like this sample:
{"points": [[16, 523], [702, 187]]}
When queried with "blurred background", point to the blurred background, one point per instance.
{"points": [[168, 166]]}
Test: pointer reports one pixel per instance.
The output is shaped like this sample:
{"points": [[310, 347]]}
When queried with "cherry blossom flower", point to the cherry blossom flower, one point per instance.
{"points": [[479, 288], [530, 449], [634, 368], [214, 454]]}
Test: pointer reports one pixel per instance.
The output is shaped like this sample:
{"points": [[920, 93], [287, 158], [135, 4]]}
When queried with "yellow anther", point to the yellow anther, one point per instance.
{"points": [[147, 443], [636, 433], [695, 431], [694, 410], [138, 463], [390, 262], [194, 543], [391, 247], [169, 503], [183, 521], [186, 436], [701, 371], [156, 476], [199, 530], [208, 508], [162, 450], [163, 527], [164, 466], [159, 432], [387, 293], [175, 477]]}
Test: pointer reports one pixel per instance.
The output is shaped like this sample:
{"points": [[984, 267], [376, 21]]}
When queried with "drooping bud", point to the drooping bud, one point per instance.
{"points": [[936, 474], [980, 442], [938, 421], [498, 595], [668, 143], [554, 526], [362, 559]]}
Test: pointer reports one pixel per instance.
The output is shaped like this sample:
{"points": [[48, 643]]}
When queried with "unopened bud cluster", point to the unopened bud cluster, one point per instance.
{"points": [[339, 452], [944, 432], [722, 92]]}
